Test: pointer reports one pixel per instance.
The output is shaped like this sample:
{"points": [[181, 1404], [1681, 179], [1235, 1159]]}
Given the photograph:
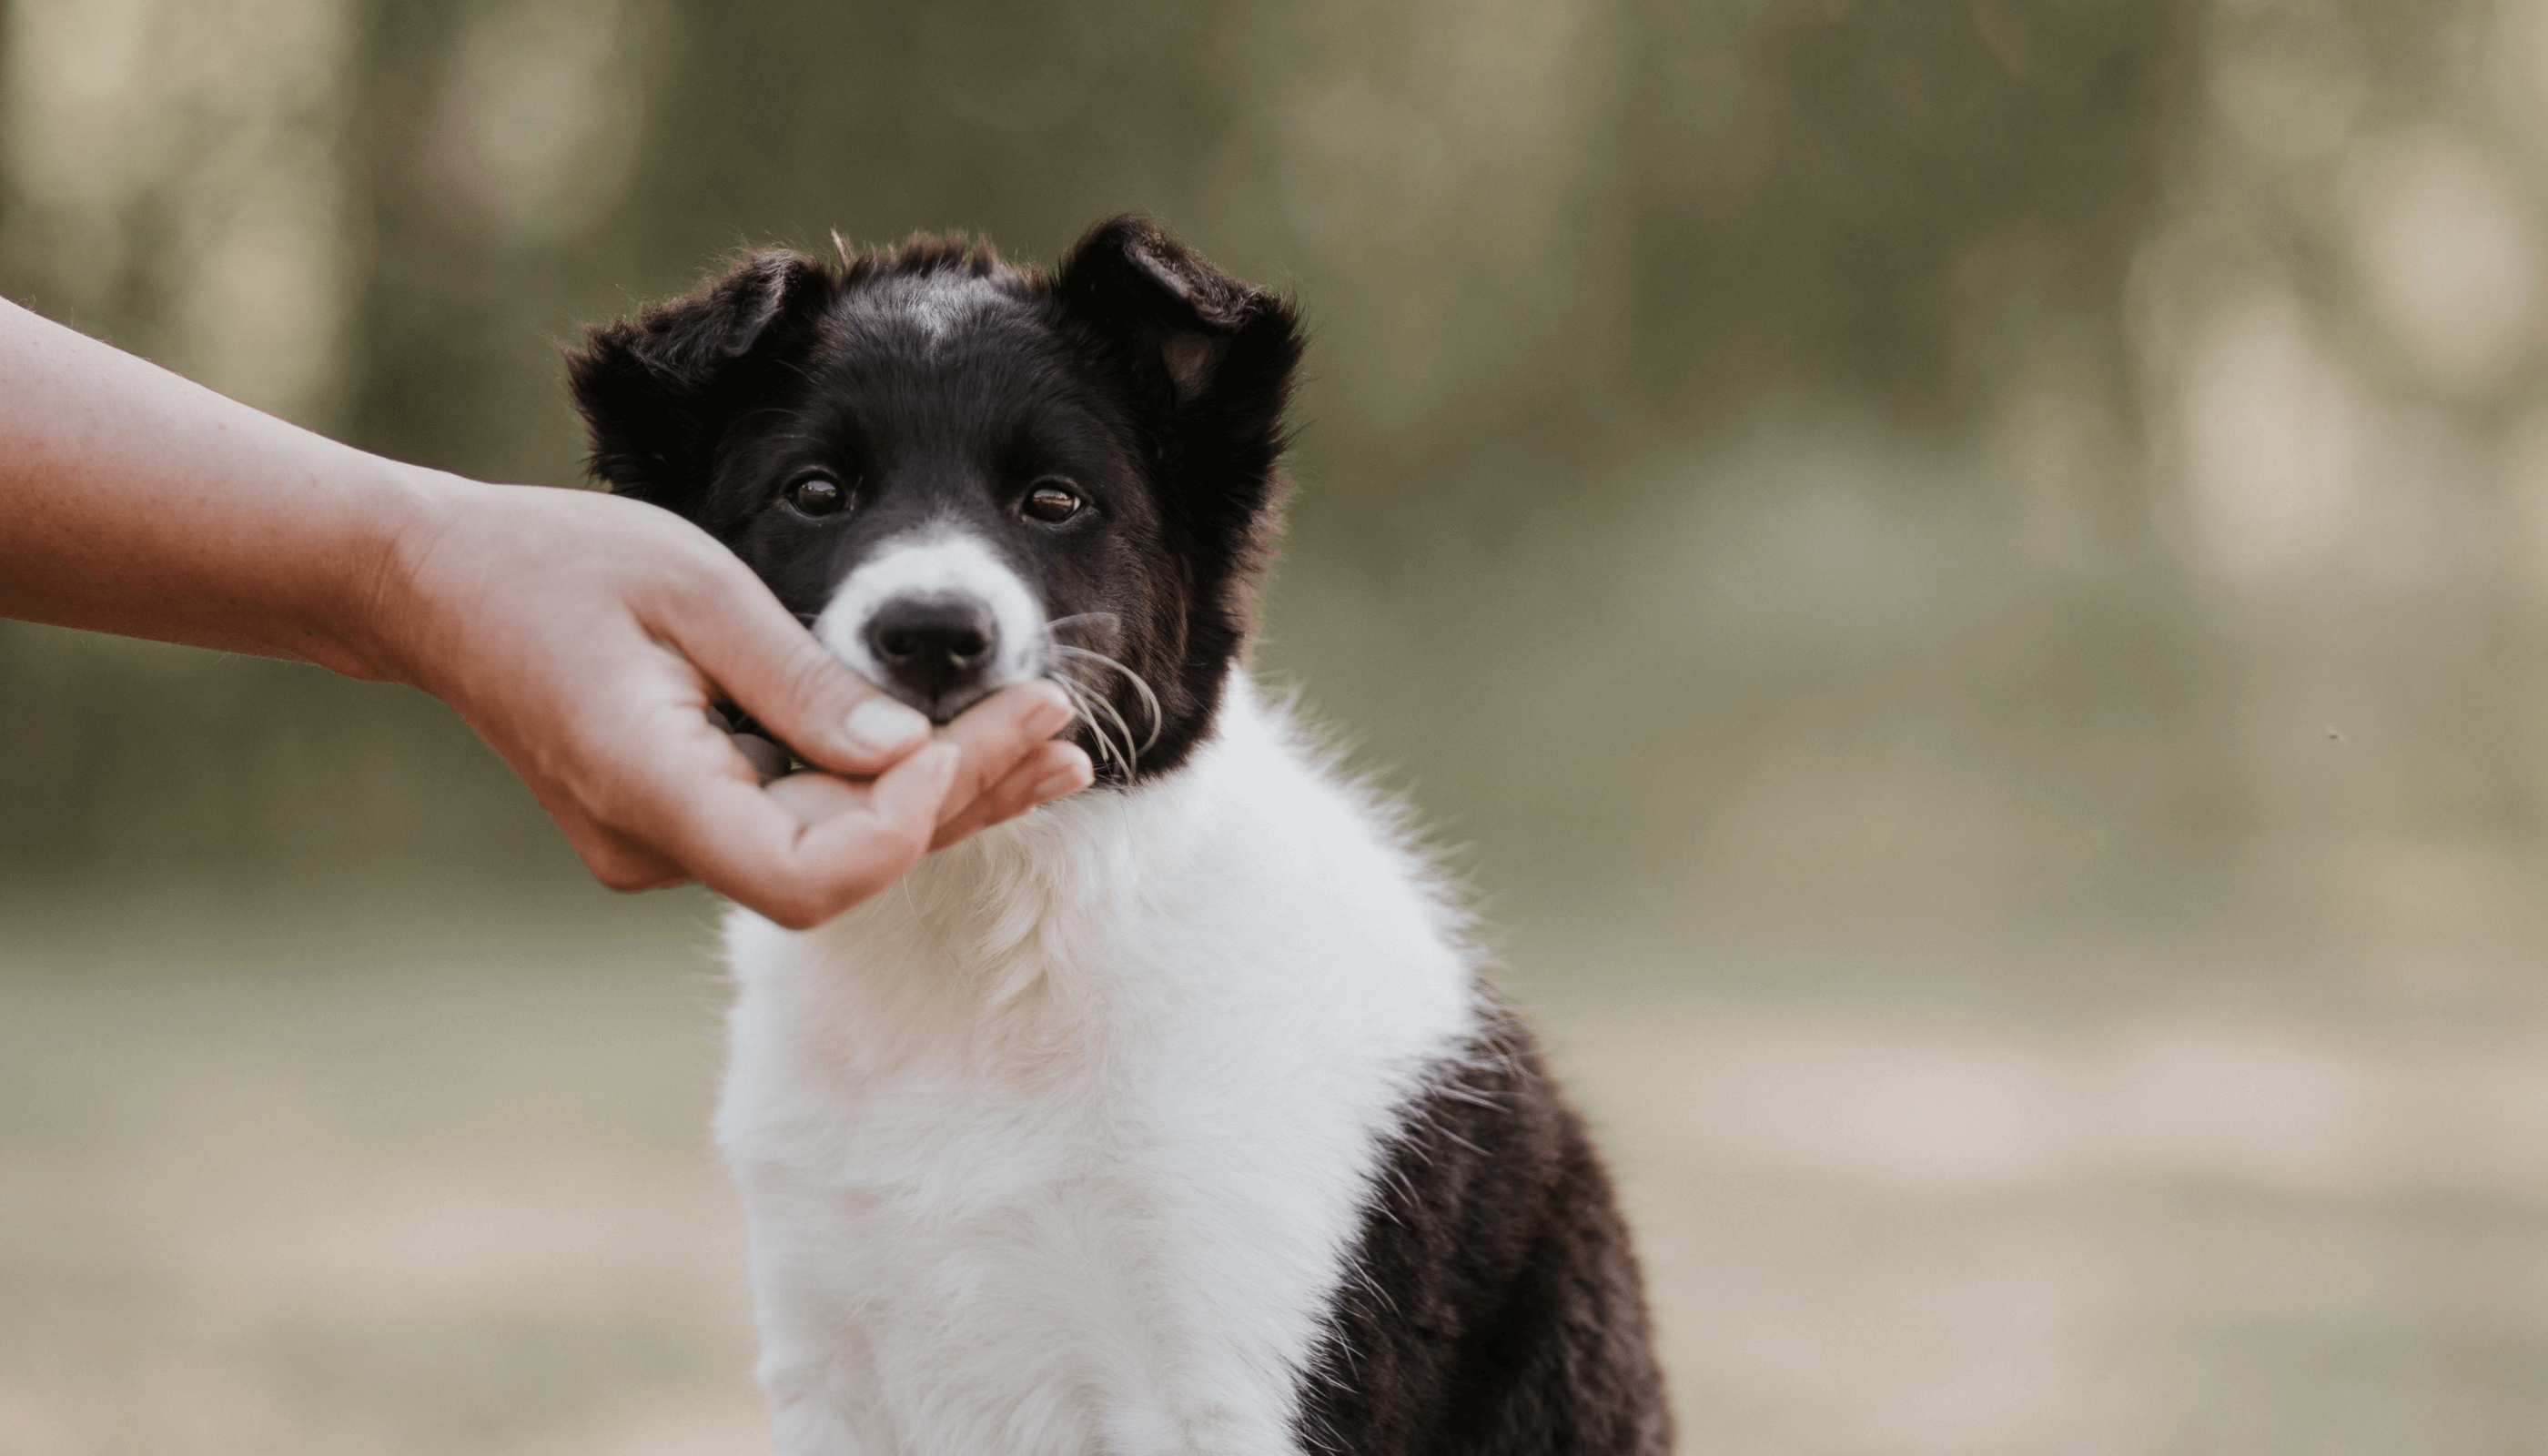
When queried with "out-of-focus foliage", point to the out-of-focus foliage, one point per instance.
{"points": [[2064, 445]]}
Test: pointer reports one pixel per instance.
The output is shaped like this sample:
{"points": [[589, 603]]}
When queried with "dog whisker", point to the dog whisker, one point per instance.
{"points": [[1080, 703], [1077, 619], [1110, 726], [1149, 699], [1085, 702], [1132, 755], [1079, 711]]}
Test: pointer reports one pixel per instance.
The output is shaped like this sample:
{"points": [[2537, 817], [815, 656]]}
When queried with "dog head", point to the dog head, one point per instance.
{"points": [[963, 474]]}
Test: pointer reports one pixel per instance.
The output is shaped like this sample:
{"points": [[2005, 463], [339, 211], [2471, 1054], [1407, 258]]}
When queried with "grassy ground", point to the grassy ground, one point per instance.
{"points": [[420, 1169]]}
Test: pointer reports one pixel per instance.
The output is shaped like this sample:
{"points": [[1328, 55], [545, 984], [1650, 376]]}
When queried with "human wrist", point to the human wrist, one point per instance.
{"points": [[373, 615]]}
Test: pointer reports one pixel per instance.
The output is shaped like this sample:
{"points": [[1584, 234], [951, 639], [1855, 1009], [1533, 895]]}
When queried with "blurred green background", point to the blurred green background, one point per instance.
{"points": [[1971, 577]]}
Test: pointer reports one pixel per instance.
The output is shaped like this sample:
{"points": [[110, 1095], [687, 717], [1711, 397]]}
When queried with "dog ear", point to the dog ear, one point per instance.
{"points": [[1210, 358], [658, 391]]}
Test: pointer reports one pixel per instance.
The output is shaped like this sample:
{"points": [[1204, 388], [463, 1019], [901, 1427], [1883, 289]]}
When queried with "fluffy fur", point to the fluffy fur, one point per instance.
{"points": [[1174, 1117]]}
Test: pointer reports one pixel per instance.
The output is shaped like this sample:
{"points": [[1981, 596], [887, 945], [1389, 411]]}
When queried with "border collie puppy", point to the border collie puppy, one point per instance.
{"points": [[1176, 1116]]}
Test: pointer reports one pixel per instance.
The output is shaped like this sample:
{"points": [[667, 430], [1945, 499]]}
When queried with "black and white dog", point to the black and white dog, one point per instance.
{"points": [[1172, 1117]]}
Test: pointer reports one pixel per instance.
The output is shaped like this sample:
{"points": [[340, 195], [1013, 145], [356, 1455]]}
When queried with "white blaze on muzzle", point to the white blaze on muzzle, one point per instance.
{"points": [[939, 570]]}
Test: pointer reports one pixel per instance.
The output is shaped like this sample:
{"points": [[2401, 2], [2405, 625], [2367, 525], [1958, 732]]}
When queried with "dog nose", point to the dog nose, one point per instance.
{"points": [[932, 647]]}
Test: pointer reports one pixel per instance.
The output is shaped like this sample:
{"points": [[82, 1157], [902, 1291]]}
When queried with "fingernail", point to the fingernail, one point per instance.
{"points": [[881, 725], [1065, 781], [1051, 715], [943, 759]]}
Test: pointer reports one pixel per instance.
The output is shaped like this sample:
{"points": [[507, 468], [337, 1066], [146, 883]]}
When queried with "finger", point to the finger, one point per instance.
{"points": [[769, 760], [997, 733], [814, 796], [619, 862], [749, 847], [874, 834], [777, 671], [1048, 772], [1051, 770]]}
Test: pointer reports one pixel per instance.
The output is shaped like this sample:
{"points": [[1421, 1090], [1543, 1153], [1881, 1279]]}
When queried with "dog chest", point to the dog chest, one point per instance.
{"points": [[1142, 1236]]}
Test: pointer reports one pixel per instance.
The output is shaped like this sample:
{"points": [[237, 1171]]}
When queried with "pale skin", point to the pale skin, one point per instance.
{"points": [[584, 636]]}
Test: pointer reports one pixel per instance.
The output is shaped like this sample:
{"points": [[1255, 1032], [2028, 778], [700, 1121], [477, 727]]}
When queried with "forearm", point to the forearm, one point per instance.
{"points": [[582, 635], [138, 503]]}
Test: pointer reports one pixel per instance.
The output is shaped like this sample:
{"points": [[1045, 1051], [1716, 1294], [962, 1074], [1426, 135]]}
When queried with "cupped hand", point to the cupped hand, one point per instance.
{"points": [[585, 636]]}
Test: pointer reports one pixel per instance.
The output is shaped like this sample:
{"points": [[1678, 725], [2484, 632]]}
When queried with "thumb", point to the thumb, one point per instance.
{"points": [[777, 671]]}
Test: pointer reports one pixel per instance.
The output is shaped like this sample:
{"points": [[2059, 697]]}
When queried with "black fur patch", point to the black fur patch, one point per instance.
{"points": [[1493, 1306], [1152, 381]]}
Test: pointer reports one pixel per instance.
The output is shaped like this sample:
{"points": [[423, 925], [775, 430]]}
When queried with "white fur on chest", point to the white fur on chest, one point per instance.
{"points": [[1061, 1145]]}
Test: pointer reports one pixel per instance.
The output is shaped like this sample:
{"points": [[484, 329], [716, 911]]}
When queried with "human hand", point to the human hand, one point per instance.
{"points": [[585, 636], [581, 634]]}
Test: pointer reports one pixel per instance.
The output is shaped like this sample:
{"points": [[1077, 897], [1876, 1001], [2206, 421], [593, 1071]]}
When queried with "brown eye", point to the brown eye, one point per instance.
{"points": [[1052, 500], [817, 494]]}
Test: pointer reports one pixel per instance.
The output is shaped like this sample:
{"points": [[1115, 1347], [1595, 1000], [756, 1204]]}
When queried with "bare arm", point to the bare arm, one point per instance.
{"points": [[582, 635]]}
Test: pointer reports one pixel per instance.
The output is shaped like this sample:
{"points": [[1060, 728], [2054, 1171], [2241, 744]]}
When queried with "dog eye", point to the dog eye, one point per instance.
{"points": [[816, 494], [1052, 500]]}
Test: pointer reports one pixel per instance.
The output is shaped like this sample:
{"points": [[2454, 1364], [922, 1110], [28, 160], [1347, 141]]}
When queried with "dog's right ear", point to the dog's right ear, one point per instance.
{"points": [[658, 391]]}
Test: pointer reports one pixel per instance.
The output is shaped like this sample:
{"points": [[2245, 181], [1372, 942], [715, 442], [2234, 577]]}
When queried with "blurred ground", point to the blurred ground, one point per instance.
{"points": [[414, 1168], [303, 1165]]}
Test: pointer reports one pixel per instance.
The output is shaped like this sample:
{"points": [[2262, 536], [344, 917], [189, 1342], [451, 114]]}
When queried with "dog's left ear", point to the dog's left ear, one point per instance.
{"points": [[1210, 358], [658, 391]]}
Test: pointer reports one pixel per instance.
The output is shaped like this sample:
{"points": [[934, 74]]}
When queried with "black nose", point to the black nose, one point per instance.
{"points": [[936, 649]]}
